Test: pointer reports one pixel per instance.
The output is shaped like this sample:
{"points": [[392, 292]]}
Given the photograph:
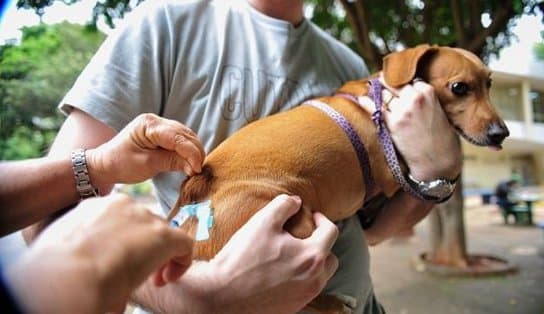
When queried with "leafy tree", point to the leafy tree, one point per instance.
{"points": [[538, 48], [34, 76], [109, 9], [376, 28]]}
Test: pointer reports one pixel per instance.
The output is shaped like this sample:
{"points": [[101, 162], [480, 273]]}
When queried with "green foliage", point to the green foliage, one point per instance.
{"points": [[113, 9], [141, 189], [538, 48], [34, 76], [375, 28]]}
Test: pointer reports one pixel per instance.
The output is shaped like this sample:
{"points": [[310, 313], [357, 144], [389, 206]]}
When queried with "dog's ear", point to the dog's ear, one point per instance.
{"points": [[399, 68]]}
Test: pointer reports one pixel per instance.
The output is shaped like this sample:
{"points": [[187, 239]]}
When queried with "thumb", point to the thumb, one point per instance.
{"points": [[280, 209], [179, 251], [170, 272], [174, 269], [172, 161]]}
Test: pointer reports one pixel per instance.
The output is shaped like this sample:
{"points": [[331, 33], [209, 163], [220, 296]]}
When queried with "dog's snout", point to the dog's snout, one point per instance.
{"points": [[497, 132]]}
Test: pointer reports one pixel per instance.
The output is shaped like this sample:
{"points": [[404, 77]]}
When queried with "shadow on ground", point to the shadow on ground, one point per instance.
{"points": [[403, 290]]}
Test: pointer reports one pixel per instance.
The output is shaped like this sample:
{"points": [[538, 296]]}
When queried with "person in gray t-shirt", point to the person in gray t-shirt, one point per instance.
{"points": [[216, 66]]}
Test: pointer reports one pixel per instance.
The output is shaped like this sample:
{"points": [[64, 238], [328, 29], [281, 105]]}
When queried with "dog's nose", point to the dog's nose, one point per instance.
{"points": [[497, 132]]}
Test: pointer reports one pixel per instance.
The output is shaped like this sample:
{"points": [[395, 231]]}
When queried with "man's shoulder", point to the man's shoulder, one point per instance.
{"points": [[332, 43], [338, 52]]}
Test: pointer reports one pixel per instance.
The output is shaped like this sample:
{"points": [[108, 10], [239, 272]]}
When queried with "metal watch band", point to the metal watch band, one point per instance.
{"points": [[437, 191], [81, 173]]}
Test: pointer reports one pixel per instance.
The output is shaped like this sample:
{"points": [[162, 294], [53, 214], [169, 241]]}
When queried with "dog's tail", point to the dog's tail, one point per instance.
{"points": [[193, 189]]}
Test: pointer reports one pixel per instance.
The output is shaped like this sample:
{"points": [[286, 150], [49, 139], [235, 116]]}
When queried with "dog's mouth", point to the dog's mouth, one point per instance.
{"points": [[479, 141]]}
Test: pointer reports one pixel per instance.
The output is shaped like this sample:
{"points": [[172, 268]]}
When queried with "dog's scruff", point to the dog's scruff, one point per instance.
{"points": [[304, 152]]}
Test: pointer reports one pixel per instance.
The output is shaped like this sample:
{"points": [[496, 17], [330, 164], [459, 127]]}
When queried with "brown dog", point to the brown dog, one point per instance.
{"points": [[304, 152]]}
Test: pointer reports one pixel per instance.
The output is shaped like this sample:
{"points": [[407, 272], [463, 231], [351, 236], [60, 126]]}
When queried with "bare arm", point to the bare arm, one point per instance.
{"points": [[431, 149], [58, 187], [32, 190], [400, 213], [147, 145]]}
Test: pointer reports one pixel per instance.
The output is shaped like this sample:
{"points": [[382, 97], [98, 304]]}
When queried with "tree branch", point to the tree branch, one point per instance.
{"points": [[457, 16], [475, 15], [499, 21], [358, 19], [428, 20]]}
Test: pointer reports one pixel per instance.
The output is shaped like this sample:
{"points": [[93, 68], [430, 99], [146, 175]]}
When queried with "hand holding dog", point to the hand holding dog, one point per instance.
{"points": [[90, 260], [262, 269], [146, 146], [423, 134], [309, 261]]}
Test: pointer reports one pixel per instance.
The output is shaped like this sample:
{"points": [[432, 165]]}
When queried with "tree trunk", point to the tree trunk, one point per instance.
{"points": [[447, 230]]}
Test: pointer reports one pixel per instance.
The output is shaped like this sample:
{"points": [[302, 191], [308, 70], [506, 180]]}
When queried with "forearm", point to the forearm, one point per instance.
{"points": [[60, 184], [32, 190], [401, 212]]}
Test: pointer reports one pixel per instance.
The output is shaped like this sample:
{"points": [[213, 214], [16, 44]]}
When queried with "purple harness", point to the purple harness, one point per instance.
{"points": [[355, 140], [375, 94]]}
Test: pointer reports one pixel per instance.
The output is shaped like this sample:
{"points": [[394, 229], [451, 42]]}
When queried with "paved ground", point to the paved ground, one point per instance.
{"points": [[403, 290]]}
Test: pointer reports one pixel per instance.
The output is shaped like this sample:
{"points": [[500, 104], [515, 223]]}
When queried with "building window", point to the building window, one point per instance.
{"points": [[507, 99], [537, 100]]}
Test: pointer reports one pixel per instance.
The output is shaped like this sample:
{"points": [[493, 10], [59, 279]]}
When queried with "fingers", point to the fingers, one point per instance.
{"points": [[152, 131], [180, 255], [172, 161], [157, 243], [174, 136], [180, 248], [417, 94], [280, 209], [416, 102], [169, 272], [174, 270], [325, 233]]}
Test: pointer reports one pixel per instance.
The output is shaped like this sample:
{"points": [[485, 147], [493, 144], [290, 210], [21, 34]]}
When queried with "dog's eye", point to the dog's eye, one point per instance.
{"points": [[460, 88]]}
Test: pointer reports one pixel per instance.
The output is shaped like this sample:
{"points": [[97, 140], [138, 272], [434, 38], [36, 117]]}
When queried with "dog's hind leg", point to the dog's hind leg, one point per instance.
{"points": [[301, 224]]}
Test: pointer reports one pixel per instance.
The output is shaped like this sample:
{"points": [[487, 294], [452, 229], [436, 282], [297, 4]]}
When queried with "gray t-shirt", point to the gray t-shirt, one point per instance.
{"points": [[216, 66]]}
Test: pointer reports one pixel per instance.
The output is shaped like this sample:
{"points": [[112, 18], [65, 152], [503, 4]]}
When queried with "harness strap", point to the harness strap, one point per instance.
{"points": [[384, 136], [355, 140]]}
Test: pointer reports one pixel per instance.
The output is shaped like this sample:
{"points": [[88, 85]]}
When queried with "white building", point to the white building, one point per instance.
{"points": [[518, 93]]}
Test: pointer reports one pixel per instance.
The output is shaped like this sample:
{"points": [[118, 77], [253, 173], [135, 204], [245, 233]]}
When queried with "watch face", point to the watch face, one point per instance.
{"points": [[438, 188]]}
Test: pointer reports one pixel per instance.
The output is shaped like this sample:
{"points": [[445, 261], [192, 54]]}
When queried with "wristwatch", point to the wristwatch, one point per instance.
{"points": [[438, 191], [83, 182]]}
